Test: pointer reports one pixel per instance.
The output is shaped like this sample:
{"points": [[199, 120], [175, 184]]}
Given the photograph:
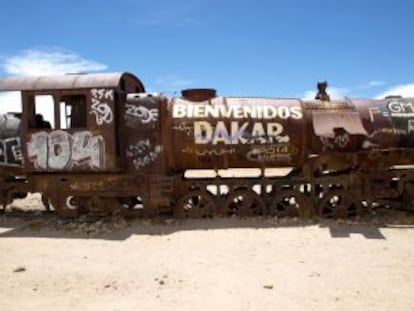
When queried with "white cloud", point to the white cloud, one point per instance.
{"points": [[41, 62], [48, 62], [334, 93], [374, 83], [405, 90]]}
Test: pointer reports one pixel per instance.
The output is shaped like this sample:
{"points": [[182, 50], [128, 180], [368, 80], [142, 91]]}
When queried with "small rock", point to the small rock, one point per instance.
{"points": [[19, 269], [161, 282], [313, 274], [268, 286]]}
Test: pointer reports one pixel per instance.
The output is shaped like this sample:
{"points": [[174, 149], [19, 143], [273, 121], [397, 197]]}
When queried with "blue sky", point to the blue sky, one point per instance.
{"points": [[248, 48]]}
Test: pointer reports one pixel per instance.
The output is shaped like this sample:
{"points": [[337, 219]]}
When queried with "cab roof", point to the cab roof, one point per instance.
{"points": [[69, 81]]}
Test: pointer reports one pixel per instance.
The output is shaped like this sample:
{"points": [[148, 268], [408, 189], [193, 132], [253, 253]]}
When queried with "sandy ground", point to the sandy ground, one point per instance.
{"points": [[222, 264]]}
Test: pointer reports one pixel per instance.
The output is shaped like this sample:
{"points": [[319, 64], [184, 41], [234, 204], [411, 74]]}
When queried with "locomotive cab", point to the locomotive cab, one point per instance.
{"points": [[69, 123]]}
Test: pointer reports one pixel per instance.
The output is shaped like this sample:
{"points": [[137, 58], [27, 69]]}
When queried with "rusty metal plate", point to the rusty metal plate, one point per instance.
{"points": [[237, 132], [325, 123]]}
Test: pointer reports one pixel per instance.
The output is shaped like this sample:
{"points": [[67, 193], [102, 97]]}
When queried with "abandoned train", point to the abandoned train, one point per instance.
{"points": [[113, 148]]}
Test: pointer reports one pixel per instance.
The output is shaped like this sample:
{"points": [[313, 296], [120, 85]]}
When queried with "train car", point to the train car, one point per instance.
{"points": [[110, 147]]}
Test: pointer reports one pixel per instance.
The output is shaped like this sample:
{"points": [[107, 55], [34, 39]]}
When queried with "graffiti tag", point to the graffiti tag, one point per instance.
{"points": [[144, 114], [11, 151], [342, 140], [401, 109], [259, 133], [410, 126], [61, 150], [143, 153], [185, 128], [208, 152], [274, 153], [100, 107], [204, 111]]}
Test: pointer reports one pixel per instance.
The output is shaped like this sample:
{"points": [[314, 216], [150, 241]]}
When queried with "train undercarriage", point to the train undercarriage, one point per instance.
{"points": [[220, 193]]}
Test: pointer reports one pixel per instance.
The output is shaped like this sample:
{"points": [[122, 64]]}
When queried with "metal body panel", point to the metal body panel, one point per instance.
{"points": [[229, 132], [10, 141], [140, 140], [82, 139], [390, 122], [89, 147], [335, 127], [390, 127]]}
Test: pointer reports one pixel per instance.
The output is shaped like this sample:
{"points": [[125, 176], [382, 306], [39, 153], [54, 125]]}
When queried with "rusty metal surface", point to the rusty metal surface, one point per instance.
{"points": [[131, 152], [236, 132], [142, 145], [325, 123], [390, 122], [87, 148], [62, 82], [199, 95], [88, 145]]}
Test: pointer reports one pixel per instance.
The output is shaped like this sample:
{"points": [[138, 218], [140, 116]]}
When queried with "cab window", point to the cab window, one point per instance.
{"points": [[73, 112]]}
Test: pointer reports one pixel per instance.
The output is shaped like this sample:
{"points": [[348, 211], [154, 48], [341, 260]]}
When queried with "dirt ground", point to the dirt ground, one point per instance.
{"points": [[221, 264]]}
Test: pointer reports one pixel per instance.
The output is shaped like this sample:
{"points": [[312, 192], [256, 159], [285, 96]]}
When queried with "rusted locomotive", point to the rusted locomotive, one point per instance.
{"points": [[113, 148]]}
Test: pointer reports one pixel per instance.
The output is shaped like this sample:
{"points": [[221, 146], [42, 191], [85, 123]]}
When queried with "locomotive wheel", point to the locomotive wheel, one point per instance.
{"points": [[65, 207], [131, 202], [338, 204], [195, 204], [102, 205], [244, 203], [291, 203]]}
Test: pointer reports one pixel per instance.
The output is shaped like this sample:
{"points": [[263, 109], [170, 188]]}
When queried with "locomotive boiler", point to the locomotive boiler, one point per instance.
{"points": [[113, 148]]}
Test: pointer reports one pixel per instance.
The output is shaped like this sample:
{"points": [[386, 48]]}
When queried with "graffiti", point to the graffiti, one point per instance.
{"points": [[100, 106], [260, 133], [410, 126], [61, 150], [143, 154], [209, 152], [342, 140], [185, 128], [232, 132], [144, 114], [372, 112], [258, 111], [394, 108], [87, 185], [326, 143], [11, 151], [281, 153], [401, 109]]}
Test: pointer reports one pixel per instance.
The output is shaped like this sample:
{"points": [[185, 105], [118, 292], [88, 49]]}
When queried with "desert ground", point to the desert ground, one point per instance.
{"points": [[218, 264]]}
